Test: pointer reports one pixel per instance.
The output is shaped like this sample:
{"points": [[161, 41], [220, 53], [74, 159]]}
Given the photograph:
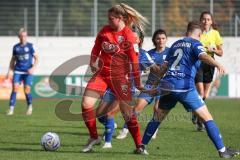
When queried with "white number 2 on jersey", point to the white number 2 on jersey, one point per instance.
{"points": [[179, 54]]}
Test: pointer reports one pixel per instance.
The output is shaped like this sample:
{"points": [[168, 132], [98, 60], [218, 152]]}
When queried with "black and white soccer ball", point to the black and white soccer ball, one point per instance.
{"points": [[50, 141]]}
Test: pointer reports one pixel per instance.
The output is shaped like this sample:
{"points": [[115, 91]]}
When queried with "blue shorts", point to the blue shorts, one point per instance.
{"points": [[190, 100], [25, 78], [109, 96], [149, 98]]}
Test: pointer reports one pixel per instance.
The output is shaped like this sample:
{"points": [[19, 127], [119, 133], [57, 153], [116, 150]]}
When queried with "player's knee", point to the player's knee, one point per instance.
{"points": [[86, 103], [160, 114], [138, 108], [110, 113], [15, 87], [204, 114], [207, 118], [27, 90]]}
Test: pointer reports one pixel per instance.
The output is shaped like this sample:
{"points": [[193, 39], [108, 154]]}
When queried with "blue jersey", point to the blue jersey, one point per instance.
{"points": [[183, 63], [24, 57], [145, 60], [158, 58]]}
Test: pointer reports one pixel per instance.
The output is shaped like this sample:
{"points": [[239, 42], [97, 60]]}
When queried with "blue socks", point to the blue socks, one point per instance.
{"points": [[28, 98], [125, 126], [13, 99], [150, 130], [109, 129], [214, 134]]}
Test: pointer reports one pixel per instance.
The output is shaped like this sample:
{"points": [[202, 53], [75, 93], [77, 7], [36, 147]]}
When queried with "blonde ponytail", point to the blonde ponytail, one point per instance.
{"points": [[130, 15]]}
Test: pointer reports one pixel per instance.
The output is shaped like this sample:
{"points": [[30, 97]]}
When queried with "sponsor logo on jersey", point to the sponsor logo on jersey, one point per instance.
{"points": [[120, 39], [124, 88], [23, 57], [110, 48]]}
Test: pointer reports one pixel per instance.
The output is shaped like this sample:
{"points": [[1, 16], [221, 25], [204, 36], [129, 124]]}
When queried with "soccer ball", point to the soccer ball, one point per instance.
{"points": [[50, 141]]}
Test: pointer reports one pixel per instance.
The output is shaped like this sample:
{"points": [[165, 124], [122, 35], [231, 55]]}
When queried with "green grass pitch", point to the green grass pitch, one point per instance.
{"points": [[177, 140]]}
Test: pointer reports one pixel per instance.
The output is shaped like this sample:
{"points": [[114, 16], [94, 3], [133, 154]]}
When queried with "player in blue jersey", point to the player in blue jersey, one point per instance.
{"points": [[22, 65], [109, 107], [158, 54], [180, 69]]}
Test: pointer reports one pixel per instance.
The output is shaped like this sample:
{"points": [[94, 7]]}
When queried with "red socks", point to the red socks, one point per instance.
{"points": [[90, 121], [134, 129]]}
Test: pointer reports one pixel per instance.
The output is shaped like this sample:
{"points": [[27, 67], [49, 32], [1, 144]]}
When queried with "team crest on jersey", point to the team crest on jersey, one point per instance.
{"points": [[26, 49], [164, 57], [110, 48], [136, 48], [120, 39], [124, 88]]}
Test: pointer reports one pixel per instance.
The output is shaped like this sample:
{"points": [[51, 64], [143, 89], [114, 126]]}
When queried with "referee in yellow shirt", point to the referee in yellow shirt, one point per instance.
{"points": [[212, 42]]}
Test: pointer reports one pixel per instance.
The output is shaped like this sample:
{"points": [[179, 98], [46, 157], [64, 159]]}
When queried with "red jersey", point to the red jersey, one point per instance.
{"points": [[117, 53]]}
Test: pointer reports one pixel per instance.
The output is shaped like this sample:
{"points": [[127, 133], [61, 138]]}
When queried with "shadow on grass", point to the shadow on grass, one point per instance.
{"points": [[107, 154], [11, 149]]}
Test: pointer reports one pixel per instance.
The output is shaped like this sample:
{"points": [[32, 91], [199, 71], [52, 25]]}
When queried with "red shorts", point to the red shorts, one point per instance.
{"points": [[120, 87]]}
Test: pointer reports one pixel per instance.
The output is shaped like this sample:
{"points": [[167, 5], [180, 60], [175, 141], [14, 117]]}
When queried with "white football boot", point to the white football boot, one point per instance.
{"points": [[10, 112], [29, 110], [122, 134], [107, 145]]}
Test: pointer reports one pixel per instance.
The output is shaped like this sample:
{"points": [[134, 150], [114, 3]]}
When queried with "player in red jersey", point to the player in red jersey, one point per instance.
{"points": [[114, 58]]}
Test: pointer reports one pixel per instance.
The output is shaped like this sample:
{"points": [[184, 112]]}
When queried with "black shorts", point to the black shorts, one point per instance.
{"points": [[205, 73]]}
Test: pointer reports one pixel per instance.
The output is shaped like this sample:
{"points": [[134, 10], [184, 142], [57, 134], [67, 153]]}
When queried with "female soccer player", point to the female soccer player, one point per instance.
{"points": [[109, 107], [158, 54], [212, 42], [181, 66], [23, 66], [116, 50]]}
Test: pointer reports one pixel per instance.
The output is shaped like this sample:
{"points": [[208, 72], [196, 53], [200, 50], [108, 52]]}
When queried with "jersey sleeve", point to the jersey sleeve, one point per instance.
{"points": [[14, 51], [96, 48], [32, 49], [198, 49], [218, 38], [133, 58], [145, 60]]}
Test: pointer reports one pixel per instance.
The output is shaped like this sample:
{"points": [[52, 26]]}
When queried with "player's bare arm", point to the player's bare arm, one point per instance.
{"points": [[11, 67], [94, 67], [209, 60], [163, 69]]}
